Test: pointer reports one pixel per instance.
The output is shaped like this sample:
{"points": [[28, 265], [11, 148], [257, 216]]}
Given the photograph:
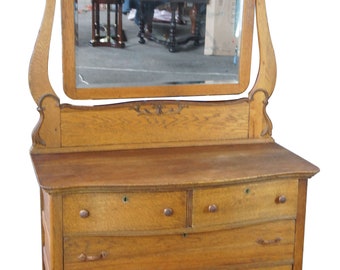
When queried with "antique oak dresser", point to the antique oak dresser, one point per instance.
{"points": [[165, 183]]}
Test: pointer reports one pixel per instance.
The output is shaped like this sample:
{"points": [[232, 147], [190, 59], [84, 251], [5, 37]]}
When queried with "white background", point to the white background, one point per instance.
{"points": [[304, 109]]}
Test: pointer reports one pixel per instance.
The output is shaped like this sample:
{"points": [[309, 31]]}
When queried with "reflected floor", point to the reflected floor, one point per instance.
{"points": [[146, 64]]}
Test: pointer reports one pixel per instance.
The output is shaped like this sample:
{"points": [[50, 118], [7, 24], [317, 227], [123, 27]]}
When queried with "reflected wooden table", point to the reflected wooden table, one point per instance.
{"points": [[108, 40], [173, 41]]}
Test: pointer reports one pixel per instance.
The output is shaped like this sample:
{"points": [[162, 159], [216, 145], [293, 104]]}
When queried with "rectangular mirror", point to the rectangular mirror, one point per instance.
{"points": [[111, 48]]}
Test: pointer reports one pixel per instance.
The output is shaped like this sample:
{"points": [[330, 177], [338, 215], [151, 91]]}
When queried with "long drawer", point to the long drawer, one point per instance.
{"points": [[263, 246], [105, 212]]}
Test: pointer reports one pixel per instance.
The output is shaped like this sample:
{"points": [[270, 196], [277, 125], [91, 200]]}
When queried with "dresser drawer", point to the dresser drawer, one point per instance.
{"points": [[263, 246], [245, 203], [105, 212]]}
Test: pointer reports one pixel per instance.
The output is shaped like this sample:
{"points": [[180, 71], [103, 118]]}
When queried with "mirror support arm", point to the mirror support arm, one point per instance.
{"points": [[38, 78], [260, 125], [266, 77], [47, 133]]}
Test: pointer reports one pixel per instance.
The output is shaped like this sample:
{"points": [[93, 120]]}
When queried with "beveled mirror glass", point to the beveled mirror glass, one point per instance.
{"points": [[196, 47]]}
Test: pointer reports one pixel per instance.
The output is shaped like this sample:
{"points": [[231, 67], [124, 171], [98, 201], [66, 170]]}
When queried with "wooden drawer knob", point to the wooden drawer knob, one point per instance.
{"points": [[281, 199], [212, 208], [168, 212], [84, 213]]}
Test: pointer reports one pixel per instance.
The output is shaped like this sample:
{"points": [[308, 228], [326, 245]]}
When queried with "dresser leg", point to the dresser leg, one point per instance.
{"points": [[300, 224], [52, 240], [42, 228]]}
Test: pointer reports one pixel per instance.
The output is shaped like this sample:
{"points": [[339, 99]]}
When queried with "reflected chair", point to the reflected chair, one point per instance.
{"points": [[173, 41], [108, 40]]}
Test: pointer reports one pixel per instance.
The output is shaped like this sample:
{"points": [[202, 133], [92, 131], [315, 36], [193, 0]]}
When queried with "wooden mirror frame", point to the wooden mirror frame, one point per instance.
{"points": [[39, 61], [143, 91], [137, 124]]}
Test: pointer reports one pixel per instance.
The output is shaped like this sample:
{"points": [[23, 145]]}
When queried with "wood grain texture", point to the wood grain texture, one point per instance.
{"points": [[167, 168], [240, 248], [154, 123], [245, 202], [300, 224], [266, 77], [124, 211], [52, 231], [38, 78]]}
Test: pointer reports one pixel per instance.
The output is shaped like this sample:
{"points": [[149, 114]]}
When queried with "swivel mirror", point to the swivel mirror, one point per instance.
{"points": [[196, 47]]}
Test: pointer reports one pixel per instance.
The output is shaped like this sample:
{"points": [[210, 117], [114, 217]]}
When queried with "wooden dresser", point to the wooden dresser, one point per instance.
{"points": [[206, 207], [167, 184]]}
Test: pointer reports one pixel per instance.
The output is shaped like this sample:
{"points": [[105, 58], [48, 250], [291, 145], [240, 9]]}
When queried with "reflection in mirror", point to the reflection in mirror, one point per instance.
{"points": [[214, 58], [195, 42]]}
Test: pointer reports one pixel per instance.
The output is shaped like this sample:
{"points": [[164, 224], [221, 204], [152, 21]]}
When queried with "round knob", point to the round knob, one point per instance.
{"points": [[282, 199], [168, 212], [84, 213], [212, 208]]}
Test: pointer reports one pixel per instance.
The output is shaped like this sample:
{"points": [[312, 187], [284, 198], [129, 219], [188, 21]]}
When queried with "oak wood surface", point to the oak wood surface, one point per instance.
{"points": [[268, 244], [154, 123], [300, 224], [124, 211], [168, 167], [250, 202], [146, 124], [52, 246]]}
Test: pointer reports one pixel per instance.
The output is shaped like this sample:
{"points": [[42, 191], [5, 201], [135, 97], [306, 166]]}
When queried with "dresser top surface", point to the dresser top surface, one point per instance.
{"points": [[169, 167]]}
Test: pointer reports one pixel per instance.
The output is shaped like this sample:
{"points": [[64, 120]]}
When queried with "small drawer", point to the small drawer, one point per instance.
{"points": [[245, 203], [105, 212]]}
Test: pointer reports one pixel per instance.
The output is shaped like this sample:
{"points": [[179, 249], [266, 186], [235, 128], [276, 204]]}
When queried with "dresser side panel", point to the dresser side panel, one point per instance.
{"points": [[300, 224], [52, 229]]}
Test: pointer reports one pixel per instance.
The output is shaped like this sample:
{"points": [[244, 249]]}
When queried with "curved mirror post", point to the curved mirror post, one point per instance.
{"points": [[196, 47]]}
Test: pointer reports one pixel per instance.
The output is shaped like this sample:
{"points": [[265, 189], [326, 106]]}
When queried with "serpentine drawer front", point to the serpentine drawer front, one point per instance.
{"points": [[101, 212], [266, 243], [97, 212], [122, 230], [245, 203]]}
